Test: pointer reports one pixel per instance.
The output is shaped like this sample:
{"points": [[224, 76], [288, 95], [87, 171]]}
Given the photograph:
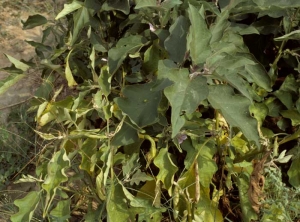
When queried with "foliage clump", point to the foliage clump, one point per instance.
{"points": [[165, 110]]}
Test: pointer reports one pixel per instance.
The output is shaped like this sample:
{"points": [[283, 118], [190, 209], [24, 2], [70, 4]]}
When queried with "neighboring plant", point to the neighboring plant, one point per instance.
{"points": [[163, 110]]}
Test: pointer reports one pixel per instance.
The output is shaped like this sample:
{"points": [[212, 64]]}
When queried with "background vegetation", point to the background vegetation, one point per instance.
{"points": [[166, 111]]}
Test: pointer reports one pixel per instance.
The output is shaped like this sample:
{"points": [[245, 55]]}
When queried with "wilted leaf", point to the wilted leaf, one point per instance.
{"points": [[61, 212], [68, 8], [167, 168], [55, 170], [295, 35], [117, 206], [139, 176], [18, 64], [86, 151], [68, 72], [26, 206], [293, 115], [9, 81]]}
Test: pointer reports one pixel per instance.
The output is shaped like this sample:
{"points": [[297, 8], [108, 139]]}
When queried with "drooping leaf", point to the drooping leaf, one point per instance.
{"points": [[86, 151], [61, 212], [144, 208], [105, 81], [55, 170], [7, 83], [81, 18], [140, 103], [293, 115], [199, 37], [68, 72], [27, 206], [68, 8], [294, 35], [117, 206], [125, 136], [167, 168], [139, 176], [125, 46], [184, 96], [18, 64], [122, 6], [259, 75], [235, 109], [176, 43], [33, 21]]}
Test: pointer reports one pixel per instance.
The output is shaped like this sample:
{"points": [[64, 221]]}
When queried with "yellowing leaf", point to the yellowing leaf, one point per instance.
{"points": [[167, 168]]}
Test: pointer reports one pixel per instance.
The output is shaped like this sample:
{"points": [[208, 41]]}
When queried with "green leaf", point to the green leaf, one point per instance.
{"points": [[68, 8], [105, 81], [87, 150], [125, 46], [184, 96], [167, 168], [151, 58], [68, 72], [56, 174], [26, 206], [140, 103], [285, 97], [294, 173], [293, 115], [169, 4], [260, 76], [199, 37], [277, 3], [18, 64], [117, 206], [61, 212], [218, 29], [33, 21], [259, 111], [145, 3], [125, 136], [139, 176], [122, 6], [11, 80], [81, 18], [294, 35], [175, 44], [235, 109]]}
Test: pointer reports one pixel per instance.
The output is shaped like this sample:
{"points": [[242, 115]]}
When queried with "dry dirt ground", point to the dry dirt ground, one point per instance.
{"points": [[12, 42]]}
